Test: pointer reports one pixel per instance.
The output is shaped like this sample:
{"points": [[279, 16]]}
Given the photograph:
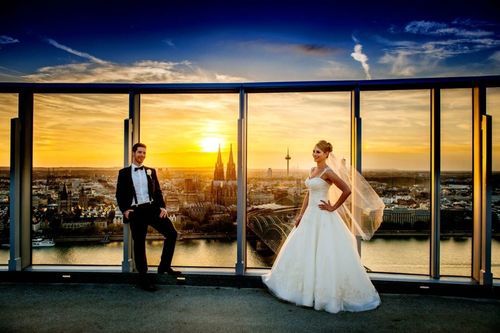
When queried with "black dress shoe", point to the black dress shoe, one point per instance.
{"points": [[169, 271]]}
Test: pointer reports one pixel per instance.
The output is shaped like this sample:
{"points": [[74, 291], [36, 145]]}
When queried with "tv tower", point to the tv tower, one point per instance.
{"points": [[287, 158]]}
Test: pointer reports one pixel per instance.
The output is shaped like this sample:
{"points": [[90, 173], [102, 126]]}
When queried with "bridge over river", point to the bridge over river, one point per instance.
{"points": [[271, 223]]}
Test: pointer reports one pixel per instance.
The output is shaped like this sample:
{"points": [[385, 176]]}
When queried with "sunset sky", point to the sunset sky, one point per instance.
{"points": [[246, 41]]}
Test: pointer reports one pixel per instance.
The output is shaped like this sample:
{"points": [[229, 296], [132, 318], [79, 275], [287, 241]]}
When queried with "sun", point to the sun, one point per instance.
{"points": [[210, 145]]}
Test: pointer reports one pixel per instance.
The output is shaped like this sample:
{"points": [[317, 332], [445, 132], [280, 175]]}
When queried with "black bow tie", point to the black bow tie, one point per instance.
{"points": [[139, 168]]}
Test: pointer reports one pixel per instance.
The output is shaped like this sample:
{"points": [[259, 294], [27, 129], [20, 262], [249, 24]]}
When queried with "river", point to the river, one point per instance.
{"points": [[396, 254]]}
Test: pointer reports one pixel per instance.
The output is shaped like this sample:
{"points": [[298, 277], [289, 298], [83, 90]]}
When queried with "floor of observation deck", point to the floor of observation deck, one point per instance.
{"points": [[193, 307]]}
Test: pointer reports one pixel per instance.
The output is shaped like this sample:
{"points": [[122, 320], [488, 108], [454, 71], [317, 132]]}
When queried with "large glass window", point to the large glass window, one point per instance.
{"points": [[192, 141], [77, 151], [8, 110], [396, 148], [282, 132], [493, 109], [456, 182]]}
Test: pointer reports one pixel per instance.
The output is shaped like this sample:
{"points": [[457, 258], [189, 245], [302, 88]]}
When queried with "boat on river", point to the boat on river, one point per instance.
{"points": [[40, 242]]}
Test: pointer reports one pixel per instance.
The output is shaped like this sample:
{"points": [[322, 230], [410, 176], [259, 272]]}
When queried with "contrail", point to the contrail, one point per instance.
{"points": [[75, 52], [358, 55]]}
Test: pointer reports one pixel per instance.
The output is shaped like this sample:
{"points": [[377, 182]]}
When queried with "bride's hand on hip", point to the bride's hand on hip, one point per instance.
{"points": [[326, 206]]}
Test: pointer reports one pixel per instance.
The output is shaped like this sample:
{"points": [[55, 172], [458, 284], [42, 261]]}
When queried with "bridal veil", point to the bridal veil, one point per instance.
{"points": [[364, 209]]}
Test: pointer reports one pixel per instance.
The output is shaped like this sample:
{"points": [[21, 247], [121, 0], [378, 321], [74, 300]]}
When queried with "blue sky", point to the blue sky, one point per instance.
{"points": [[217, 41]]}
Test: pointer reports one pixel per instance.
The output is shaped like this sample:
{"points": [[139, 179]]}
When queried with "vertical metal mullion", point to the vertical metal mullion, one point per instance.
{"points": [[15, 195], [128, 262], [356, 142], [23, 176], [478, 110], [131, 137], [486, 277], [356, 129], [26, 101], [434, 267], [135, 115], [241, 263]]}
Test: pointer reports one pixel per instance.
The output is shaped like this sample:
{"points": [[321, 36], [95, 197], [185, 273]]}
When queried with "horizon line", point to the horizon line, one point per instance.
{"points": [[210, 167]]}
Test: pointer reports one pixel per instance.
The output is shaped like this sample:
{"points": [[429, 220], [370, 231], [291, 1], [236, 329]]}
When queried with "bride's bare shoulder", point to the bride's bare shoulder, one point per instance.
{"points": [[329, 171], [330, 174]]}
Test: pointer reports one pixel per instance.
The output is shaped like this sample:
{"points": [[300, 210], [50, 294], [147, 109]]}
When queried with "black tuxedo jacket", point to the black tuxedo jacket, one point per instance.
{"points": [[125, 191]]}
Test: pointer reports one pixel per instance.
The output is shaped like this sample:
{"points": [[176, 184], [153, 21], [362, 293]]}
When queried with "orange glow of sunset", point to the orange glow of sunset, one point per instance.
{"points": [[210, 145], [186, 130]]}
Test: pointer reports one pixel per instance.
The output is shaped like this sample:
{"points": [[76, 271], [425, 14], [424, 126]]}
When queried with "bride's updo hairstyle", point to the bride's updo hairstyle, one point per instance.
{"points": [[325, 146]]}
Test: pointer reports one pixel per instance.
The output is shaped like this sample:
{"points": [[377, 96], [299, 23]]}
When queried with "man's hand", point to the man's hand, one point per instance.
{"points": [[163, 213], [127, 213]]}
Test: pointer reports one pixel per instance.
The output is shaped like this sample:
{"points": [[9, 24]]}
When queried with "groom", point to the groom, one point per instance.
{"points": [[140, 199]]}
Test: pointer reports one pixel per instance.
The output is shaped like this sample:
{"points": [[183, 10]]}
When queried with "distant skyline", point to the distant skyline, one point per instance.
{"points": [[222, 41]]}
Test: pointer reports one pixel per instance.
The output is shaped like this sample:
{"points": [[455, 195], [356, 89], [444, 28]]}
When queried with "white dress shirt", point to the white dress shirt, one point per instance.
{"points": [[139, 178]]}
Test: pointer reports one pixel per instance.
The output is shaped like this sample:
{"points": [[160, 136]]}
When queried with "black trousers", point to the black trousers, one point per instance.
{"points": [[140, 219]]}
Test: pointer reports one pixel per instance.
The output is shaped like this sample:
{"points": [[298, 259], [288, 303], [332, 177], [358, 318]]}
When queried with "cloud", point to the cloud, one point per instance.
{"points": [[334, 70], [443, 49], [314, 49], [75, 52], [10, 75], [169, 42], [471, 22], [409, 58], [424, 27], [443, 29], [358, 55], [495, 56], [8, 40], [319, 50], [146, 71], [400, 62], [444, 41], [228, 78]]}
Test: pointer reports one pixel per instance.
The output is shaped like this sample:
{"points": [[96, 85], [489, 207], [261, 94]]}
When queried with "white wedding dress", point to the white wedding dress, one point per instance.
{"points": [[318, 265]]}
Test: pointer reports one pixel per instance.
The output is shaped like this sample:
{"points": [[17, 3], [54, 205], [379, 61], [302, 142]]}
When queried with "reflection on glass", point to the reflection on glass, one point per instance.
{"points": [[493, 109], [395, 159], [8, 110], [77, 151], [456, 182], [282, 132], [192, 142]]}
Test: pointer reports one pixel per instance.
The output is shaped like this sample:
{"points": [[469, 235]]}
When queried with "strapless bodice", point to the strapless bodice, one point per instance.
{"points": [[318, 190]]}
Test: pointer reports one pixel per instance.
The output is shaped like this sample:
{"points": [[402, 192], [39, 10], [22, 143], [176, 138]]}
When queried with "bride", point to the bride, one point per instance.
{"points": [[318, 265]]}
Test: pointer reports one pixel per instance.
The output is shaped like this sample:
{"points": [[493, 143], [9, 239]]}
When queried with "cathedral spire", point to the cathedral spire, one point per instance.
{"points": [[64, 193], [223, 191], [231, 167], [219, 168]]}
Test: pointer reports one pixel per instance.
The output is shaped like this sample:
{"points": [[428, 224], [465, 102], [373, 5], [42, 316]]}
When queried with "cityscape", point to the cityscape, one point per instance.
{"points": [[79, 205]]}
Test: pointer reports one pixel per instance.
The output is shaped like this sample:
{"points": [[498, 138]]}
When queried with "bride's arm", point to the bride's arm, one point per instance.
{"points": [[346, 192], [302, 210]]}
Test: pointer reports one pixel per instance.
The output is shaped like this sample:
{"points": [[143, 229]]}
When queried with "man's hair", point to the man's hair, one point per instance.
{"points": [[137, 145]]}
